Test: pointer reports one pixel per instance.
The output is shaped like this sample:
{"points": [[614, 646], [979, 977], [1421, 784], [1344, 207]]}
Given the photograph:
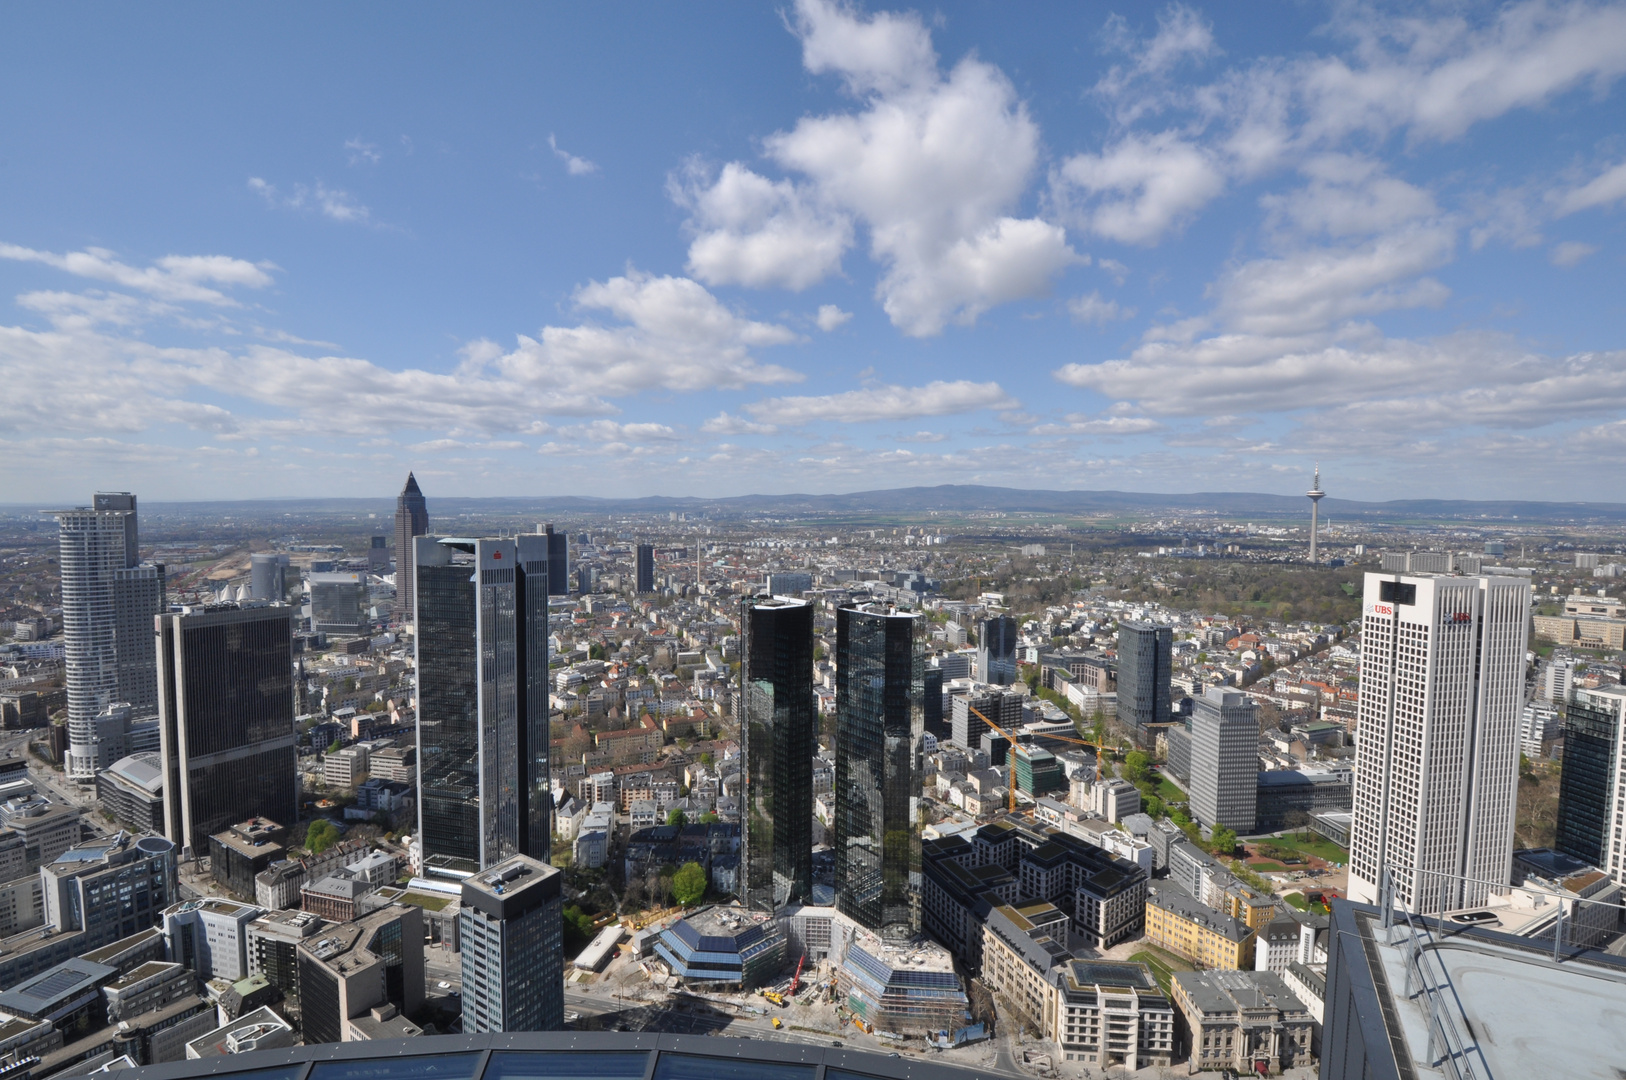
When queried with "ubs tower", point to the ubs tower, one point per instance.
{"points": [[880, 729], [778, 724], [482, 655]]}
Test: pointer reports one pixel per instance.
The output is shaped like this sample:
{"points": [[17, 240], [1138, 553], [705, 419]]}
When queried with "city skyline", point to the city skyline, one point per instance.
{"points": [[1174, 246]]}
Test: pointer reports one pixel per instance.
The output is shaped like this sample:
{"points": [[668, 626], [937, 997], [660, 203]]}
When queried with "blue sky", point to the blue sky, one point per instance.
{"points": [[711, 249]]}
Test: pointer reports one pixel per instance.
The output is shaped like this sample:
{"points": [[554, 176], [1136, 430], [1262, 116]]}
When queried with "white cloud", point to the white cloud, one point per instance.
{"points": [[1182, 34], [932, 164], [334, 203], [884, 403], [1571, 252], [178, 278], [832, 318], [360, 151], [1312, 289], [1350, 196], [726, 424], [574, 165], [757, 232], [1093, 309], [1081, 424], [1608, 187], [1143, 186]]}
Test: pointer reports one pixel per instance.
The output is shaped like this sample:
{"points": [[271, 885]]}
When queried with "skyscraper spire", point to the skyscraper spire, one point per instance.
{"points": [[411, 519]]}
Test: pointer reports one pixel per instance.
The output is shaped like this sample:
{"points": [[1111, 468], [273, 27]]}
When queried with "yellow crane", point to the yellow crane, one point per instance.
{"points": [[1011, 786]]}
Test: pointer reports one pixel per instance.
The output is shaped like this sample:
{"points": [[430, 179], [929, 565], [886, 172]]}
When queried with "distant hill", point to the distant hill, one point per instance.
{"points": [[952, 498]]}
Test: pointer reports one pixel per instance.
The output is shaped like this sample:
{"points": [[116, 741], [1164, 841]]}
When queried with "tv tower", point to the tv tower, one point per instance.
{"points": [[1315, 495]]}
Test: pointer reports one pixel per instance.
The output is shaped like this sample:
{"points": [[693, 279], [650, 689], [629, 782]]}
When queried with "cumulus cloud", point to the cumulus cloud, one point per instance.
{"points": [[179, 278], [932, 164], [1081, 424], [753, 231], [574, 165], [1091, 308], [1143, 186], [1608, 187], [936, 398], [726, 424], [832, 318]]}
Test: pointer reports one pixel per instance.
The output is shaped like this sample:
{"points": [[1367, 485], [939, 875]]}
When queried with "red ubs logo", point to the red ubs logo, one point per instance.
{"points": [[1461, 616], [1383, 609]]}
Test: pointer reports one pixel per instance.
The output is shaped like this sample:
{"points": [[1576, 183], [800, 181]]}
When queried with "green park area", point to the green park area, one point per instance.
{"points": [[1305, 843], [1298, 901], [1163, 965]]}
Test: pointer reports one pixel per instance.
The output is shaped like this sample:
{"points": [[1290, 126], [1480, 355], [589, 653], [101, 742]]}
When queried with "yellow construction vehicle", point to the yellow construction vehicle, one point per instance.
{"points": [[776, 1023], [863, 1026], [775, 996]]}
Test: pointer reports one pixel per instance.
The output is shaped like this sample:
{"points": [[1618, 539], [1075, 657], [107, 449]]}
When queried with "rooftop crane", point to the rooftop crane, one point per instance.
{"points": [[1011, 786]]}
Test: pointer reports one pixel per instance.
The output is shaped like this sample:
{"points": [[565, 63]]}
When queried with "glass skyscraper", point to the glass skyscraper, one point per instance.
{"points": [[1145, 657], [880, 728], [646, 567], [1591, 735], [996, 650], [778, 727], [411, 520], [482, 657], [226, 719]]}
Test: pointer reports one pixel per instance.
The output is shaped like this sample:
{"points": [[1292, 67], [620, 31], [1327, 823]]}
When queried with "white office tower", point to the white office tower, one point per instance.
{"points": [[109, 599], [1437, 761]]}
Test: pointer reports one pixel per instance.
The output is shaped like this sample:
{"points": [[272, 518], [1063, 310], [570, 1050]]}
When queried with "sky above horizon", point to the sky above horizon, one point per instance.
{"points": [[725, 248]]}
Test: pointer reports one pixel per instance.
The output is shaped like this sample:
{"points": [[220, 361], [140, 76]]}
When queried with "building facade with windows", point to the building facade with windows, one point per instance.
{"points": [[778, 731], [511, 929], [1145, 659]]}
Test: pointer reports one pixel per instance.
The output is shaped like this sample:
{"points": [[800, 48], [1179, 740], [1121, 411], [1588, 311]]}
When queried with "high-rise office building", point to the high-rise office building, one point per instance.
{"points": [[411, 519], [226, 719], [482, 656], [336, 603], [933, 684], [108, 600], [880, 729], [778, 727], [967, 727], [558, 560], [996, 650], [1592, 785], [511, 931], [350, 969], [1145, 659], [646, 568], [268, 577], [1224, 765], [109, 888], [1437, 764], [378, 556]]}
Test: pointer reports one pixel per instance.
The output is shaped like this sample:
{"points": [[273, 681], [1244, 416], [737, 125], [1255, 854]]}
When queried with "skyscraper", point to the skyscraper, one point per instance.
{"points": [[1225, 760], [108, 601], [511, 930], [411, 519], [777, 730], [226, 719], [1437, 764], [996, 650], [646, 568], [880, 728], [482, 658], [1592, 785], [268, 578], [558, 561], [1145, 658]]}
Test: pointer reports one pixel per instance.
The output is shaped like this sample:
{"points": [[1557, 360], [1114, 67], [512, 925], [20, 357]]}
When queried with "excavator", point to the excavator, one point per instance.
{"points": [[1008, 737]]}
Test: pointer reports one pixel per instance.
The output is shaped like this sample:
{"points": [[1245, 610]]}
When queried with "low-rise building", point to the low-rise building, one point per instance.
{"points": [[1187, 927], [723, 946], [349, 969], [240, 853], [1110, 1014], [132, 790], [1244, 1020]]}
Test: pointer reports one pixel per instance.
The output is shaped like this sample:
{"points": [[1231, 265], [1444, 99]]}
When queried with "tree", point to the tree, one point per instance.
{"points": [[1137, 766], [321, 835], [675, 816], [1221, 841], [689, 884], [708, 818], [334, 746]]}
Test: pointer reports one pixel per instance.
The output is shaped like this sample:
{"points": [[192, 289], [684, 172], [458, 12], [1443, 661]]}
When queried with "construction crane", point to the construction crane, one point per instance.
{"points": [[796, 980], [1011, 787]]}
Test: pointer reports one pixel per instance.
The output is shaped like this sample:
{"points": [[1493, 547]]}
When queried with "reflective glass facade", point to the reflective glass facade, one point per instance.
{"points": [[411, 520], [880, 724], [777, 732], [483, 699], [1585, 784], [226, 711], [1145, 655]]}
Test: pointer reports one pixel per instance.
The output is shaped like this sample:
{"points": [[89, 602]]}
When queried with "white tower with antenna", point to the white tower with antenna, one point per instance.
{"points": [[1315, 495]]}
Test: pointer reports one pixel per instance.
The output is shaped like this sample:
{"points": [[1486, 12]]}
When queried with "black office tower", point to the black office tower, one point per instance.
{"points": [[778, 724], [935, 724], [482, 653], [646, 567], [226, 719], [880, 727], [996, 650], [1586, 784], [1145, 654], [558, 561], [411, 519]]}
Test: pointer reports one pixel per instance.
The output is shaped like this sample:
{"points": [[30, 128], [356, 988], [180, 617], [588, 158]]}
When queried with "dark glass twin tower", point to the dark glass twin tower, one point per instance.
{"points": [[880, 664], [482, 655]]}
